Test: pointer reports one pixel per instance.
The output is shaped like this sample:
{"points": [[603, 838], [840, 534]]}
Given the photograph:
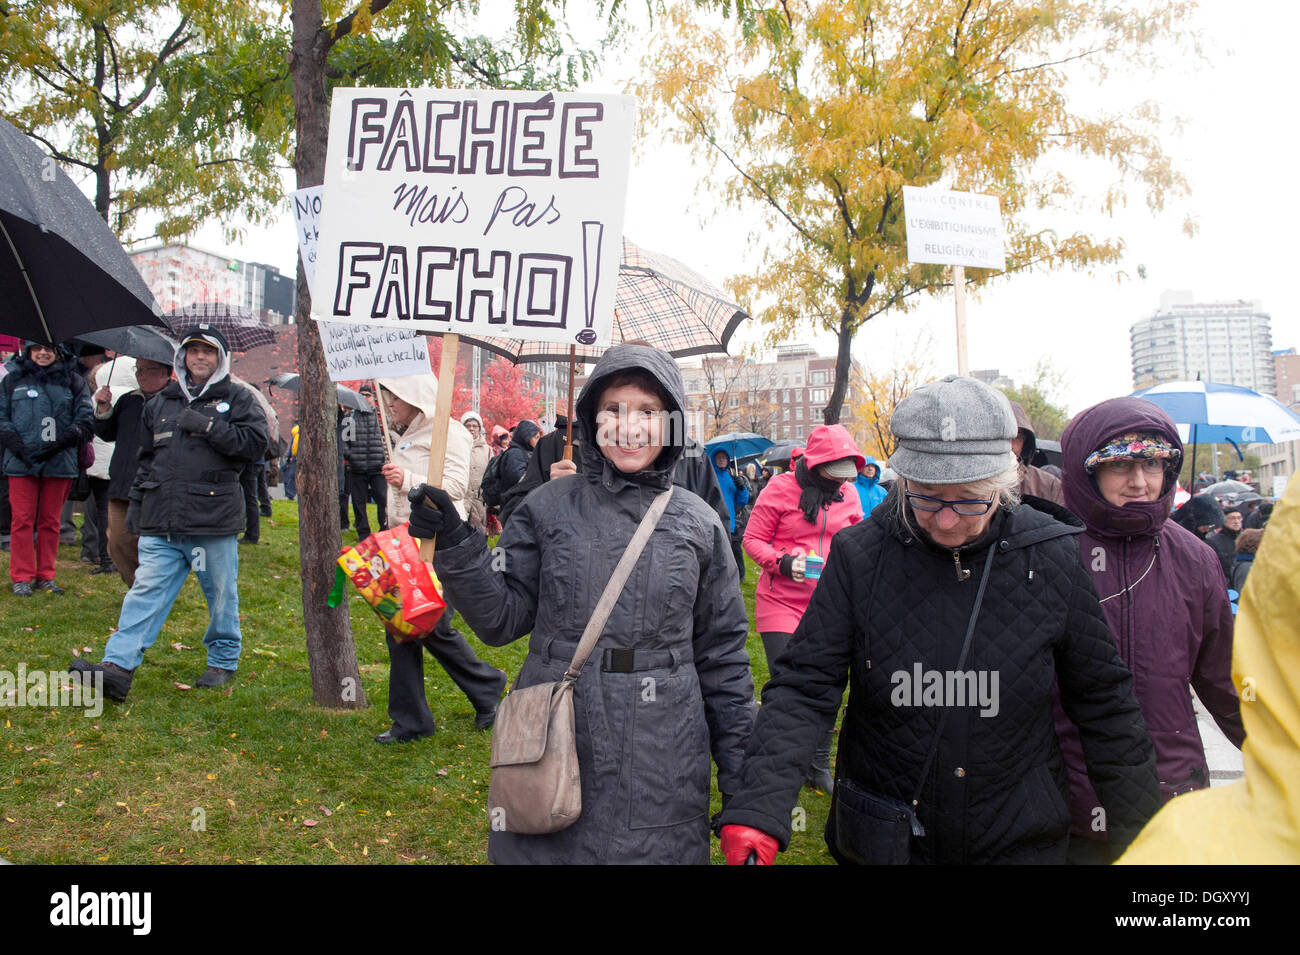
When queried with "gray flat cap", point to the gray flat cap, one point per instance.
{"points": [[953, 431]]}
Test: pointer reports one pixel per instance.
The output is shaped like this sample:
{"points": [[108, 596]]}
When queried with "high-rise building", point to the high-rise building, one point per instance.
{"points": [[180, 275], [1227, 342], [1286, 369]]}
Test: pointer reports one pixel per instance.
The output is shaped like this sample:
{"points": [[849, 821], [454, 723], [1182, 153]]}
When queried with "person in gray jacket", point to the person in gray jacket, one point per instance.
{"points": [[669, 679]]}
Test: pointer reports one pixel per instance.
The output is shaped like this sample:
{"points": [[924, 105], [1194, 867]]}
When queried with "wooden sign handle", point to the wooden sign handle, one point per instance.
{"points": [[441, 421], [568, 428], [383, 420]]}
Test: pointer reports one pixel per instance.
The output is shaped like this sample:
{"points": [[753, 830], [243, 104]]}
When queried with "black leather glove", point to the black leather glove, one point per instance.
{"points": [[66, 439], [434, 515], [194, 421], [13, 443]]}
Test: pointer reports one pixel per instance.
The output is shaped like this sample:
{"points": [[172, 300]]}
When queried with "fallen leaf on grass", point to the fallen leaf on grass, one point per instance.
{"points": [[309, 823], [59, 804], [266, 653], [327, 810], [182, 686], [180, 646], [442, 772], [76, 652]]}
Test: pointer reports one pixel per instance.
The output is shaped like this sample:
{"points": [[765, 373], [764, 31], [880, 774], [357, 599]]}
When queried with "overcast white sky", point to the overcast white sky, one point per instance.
{"points": [[1238, 141]]}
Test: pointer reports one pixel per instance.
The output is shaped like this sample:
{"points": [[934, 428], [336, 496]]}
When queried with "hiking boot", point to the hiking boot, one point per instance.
{"points": [[389, 736], [104, 569], [51, 586], [215, 676], [117, 680], [22, 588]]}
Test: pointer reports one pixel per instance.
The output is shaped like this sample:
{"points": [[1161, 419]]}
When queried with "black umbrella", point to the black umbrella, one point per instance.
{"points": [[779, 453], [346, 396], [242, 327], [137, 341], [62, 271]]}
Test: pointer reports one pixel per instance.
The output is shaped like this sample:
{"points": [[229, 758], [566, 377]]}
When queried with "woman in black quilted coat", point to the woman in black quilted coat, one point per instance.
{"points": [[945, 759]]}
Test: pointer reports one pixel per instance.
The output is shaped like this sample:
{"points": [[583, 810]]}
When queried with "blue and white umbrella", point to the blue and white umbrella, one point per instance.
{"points": [[738, 444], [1208, 412]]}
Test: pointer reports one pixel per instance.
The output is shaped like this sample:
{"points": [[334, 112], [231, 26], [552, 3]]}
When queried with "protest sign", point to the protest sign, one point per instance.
{"points": [[354, 351], [945, 227], [953, 228], [474, 212]]}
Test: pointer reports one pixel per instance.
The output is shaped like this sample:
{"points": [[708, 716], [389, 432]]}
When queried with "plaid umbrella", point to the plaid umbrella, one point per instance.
{"points": [[659, 300], [241, 326]]}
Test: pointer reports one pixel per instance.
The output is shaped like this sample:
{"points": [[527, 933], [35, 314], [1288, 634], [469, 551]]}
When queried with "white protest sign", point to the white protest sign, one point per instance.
{"points": [[475, 212], [953, 228], [354, 351]]}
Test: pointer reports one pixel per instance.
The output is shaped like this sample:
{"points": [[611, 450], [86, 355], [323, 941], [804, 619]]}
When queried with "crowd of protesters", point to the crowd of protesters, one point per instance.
{"points": [[1072, 615]]}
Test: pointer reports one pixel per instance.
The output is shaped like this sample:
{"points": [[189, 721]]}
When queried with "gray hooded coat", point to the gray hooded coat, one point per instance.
{"points": [[647, 719]]}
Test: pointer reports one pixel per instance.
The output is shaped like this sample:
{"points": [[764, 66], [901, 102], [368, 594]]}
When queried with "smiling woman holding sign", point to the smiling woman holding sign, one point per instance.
{"points": [[668, 680]]}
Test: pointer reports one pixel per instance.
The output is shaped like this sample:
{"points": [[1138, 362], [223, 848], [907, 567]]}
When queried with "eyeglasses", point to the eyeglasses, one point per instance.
{"points": [[932, 505], [1151, 467]]}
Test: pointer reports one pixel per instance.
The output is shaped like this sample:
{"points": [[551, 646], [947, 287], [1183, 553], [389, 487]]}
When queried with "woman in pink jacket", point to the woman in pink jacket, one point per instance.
{"points": [[794, 518]]}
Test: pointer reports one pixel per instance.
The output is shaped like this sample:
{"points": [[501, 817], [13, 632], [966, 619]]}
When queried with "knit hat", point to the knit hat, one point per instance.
{"points": [[953, 431], [1135, 445]]}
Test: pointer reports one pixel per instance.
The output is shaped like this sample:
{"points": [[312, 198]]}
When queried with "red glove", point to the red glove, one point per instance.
{"points": [[739, 841]]}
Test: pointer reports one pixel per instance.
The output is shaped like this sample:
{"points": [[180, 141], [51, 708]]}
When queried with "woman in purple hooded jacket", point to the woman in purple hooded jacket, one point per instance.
{"points": [[1163, 595]]}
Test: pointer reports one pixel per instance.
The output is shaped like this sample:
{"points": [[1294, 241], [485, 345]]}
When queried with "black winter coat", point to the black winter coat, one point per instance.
{"points": [[363, 445], [189, 483], [124, 426], [889, 603]]}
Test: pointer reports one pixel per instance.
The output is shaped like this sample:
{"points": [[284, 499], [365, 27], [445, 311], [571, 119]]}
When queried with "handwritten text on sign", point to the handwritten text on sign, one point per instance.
{"points": [[354, 351], [953, 228], [477, 212]]}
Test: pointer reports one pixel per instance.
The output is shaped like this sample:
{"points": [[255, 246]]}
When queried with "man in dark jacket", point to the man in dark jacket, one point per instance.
{"points": [[363, 453], [123, 424], [516, 457], [692, 471], [188, 508], [1224, 541]]}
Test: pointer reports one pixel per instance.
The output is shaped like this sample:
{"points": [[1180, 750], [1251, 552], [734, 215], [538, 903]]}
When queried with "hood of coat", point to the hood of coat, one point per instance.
{"points": [[831, 442], [869, 482], [1026, 430], [524, 432], [617, 360], [1199, 511], [1088, 431], [58, 372], [183, 375], [421, 391]]}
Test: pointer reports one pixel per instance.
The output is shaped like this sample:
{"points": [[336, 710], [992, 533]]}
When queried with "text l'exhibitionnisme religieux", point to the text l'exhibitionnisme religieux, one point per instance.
{"points": [[530, 141]]}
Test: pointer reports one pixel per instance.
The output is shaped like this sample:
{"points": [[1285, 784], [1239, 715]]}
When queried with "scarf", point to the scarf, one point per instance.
{"points": [[818, 492]]}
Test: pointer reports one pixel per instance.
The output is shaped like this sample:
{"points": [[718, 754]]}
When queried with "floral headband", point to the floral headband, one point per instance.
{"points": [[1134, 445]]}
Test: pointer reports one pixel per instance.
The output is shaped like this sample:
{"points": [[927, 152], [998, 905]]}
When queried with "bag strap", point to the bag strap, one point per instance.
{"points": [[609, 597], [961, 662]]}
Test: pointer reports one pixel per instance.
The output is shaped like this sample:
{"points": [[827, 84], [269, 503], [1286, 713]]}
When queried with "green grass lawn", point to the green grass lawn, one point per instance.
{"points": [[253, 772]]}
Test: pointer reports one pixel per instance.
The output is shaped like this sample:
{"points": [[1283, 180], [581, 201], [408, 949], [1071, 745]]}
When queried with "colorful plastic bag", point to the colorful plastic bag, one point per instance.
{"points": [[387, 571]]}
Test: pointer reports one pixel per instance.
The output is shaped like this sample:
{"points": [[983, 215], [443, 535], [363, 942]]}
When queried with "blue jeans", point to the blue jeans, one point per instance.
{"points": [[165, 562]]}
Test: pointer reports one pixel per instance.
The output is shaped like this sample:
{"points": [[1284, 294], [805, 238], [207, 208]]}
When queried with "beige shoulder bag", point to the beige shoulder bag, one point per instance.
{"points": [[535, 786]]}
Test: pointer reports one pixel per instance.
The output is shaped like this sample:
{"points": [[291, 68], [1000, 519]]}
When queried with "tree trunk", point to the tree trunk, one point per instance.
{"points": [[843, 365], [335, 679]]}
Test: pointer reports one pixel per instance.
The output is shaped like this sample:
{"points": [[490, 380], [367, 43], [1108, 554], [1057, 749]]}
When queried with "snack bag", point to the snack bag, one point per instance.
{"points": [[378, 582], [422, 602]]}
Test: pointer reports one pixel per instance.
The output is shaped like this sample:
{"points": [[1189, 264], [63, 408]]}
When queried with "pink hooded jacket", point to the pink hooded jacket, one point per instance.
{"points": [[777, 527]]}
